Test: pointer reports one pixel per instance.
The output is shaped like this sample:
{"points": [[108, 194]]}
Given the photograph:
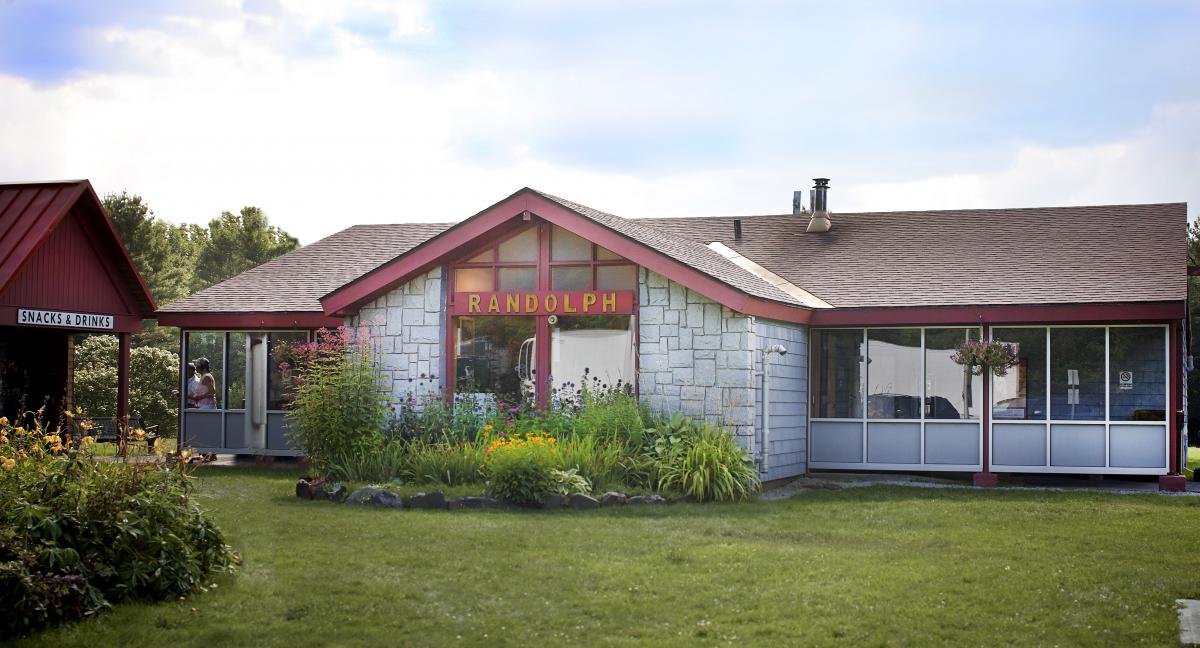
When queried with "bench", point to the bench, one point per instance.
{"points": [[105, 430]]}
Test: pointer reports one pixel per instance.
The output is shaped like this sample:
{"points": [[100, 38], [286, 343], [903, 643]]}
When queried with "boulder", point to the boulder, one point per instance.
{"points": [[613, 498], [554, 502], [335, 493], [581, 501], [686, 499], [434, 500], [647, 499], [308, 488], [472, 502], [374, 497]]}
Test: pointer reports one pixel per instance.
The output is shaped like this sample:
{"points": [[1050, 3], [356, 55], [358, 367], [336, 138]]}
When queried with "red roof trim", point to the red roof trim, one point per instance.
{"points": [[1015, 314], [248, 321], [442, 247]]}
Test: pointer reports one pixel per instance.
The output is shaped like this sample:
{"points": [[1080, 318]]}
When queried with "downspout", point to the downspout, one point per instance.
{"points": [[764, 448]]}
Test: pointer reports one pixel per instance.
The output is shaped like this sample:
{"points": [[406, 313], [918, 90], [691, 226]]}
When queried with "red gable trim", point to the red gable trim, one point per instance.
{"points": [[29, 213], [1021, 314], [248, 321], [448, 244]]}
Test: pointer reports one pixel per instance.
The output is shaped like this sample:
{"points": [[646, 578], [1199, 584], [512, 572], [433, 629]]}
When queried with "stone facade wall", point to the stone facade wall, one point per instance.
{"points": [[408, 327], [695, 356]]}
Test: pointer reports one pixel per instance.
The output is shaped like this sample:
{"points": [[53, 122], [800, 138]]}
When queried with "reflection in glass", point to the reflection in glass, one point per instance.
{"points": [[518, 278], [571, 278], [894, 373], [622, 277], [494, 356], [473, 280], [566, 246], [522, 247], [1021, 393], [951, 391], [203, 389], [596, 350], [275, 385], [236, 375], [837, 373], [1077, 374], [1137, 375]]}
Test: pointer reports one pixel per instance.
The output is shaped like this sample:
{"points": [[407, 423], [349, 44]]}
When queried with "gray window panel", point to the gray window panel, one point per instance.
{"points": [[894, 373], [1019, 444], [202, 429], [235, 430], [1137, 376], [1138, 446], [277, 426], [894, 443], [952, 443], [1077, 445], [837, 373], [1021, 393], [837, 442], [1077, 374]]}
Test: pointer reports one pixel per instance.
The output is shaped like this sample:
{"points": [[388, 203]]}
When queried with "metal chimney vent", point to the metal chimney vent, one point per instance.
{"points": [[820, 207]]}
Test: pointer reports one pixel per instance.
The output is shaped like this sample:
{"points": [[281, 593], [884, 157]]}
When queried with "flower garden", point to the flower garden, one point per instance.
{"points": [[593, 439]]}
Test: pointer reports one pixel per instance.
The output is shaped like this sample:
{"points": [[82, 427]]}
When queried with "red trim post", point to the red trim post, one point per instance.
{"points": [[123, 340], [182, 382], [541, 378]]}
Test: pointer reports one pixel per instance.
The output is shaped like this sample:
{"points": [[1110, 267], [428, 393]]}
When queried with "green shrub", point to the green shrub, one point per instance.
{"points": [[153, 382], [381, 463], [595, 459], [338, 406], [706, 463], [520, 468], [77, 535], [442, 463], [570, 481]]}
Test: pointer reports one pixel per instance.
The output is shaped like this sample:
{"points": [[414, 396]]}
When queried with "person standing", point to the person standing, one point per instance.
{"points": [[206, 393]]}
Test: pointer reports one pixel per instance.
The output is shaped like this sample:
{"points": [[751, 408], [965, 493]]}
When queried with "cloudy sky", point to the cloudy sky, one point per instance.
{"points": [[328, 114]]}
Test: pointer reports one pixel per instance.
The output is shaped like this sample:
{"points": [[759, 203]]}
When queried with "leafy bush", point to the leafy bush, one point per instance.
{"points": [[595, 459], [707, 464], [153, 382], [567, 482], [77, 535], [451, 465], [614, 415], [519, 468], [338, 406]]}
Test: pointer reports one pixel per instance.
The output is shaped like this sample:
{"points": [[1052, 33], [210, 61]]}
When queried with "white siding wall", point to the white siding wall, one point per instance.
{"points": [[789, 397]]}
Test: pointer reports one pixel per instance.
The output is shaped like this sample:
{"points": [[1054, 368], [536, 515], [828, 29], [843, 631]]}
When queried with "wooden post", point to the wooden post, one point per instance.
{"points": [[123, 377]]}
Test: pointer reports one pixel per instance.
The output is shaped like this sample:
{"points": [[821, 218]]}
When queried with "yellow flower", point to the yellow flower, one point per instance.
{"points": [[183, 456], [3, 420], [51, 439], [7, 463], [488, 427], [87, 440]]}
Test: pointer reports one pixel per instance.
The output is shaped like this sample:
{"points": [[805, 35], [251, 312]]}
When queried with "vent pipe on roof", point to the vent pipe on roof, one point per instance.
{"points": [[820, 207], [737, 229]]}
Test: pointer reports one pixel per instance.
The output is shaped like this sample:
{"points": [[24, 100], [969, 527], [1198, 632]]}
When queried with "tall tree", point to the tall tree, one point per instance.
{"points": [[238, 242], [165, 253]]}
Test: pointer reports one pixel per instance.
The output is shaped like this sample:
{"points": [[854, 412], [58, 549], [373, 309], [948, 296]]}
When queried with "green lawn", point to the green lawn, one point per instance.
{"points": [[872, 566], [1193, 460]]}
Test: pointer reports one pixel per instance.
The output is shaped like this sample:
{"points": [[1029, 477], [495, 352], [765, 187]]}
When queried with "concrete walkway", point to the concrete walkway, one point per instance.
{"points": [[837, 481]]}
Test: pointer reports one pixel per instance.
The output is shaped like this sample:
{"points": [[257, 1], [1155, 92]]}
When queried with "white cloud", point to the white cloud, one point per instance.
{"points": [[226, 118]]}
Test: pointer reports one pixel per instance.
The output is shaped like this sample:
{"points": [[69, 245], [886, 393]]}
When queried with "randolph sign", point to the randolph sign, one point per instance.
{"points": [[63, 319], [583, 302]]}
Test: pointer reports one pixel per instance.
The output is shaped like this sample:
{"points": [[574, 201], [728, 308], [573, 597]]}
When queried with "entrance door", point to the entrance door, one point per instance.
{"points": [[33, 372], [488, 359]]}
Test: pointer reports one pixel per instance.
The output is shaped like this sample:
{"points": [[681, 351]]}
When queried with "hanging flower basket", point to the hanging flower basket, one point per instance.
{"points": [[993, 355]]}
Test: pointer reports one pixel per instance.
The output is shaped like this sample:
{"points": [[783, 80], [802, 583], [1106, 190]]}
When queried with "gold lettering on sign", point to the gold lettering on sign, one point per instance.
{"points": [[512, 303], [588, 300], [531, 303], [609, 301], [473, 303], [551, 303], [567, 307], [494, 305]]}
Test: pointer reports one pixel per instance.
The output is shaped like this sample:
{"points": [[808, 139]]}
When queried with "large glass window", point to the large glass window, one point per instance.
{"points": [[1077, 374], [571, 278], [518, 278], [1021, 393], [1137, 375], [520, 248], [951, 391], [205, 350], [567, 246], [617, 277], [894, 373], [276, 398], [495, 357], [473, 279], [837, 373], [594, 350]]}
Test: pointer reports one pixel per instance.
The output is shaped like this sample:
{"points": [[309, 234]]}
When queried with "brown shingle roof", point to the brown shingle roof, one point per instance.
{"points": [[678, 246], [1053, 255], [296, 281]]}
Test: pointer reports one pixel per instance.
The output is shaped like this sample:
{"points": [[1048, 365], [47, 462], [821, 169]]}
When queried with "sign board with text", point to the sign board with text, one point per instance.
{"points": [[64, 319], [580, 302]]}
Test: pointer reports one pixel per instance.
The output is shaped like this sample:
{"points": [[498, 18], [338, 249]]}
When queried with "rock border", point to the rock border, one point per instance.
{"points": [[371, 496]]}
